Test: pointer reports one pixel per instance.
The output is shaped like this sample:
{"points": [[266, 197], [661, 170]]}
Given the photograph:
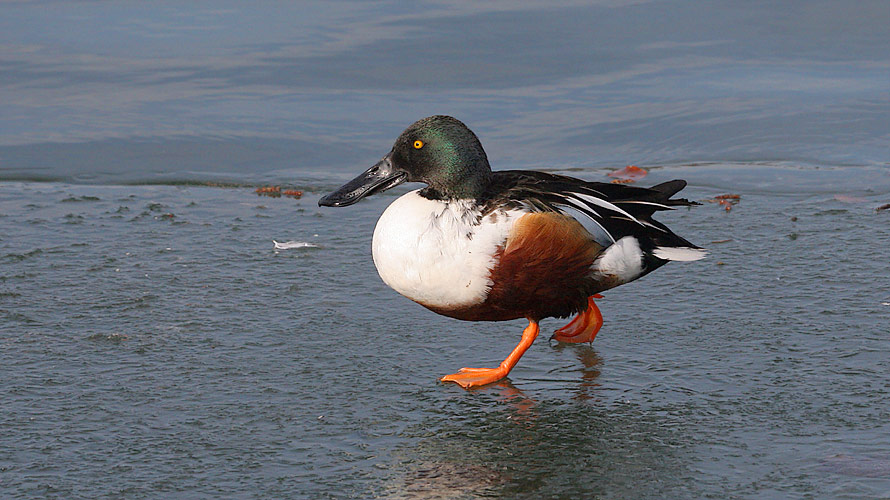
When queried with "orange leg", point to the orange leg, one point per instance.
{"points": [[585, 325], [472, 377]]}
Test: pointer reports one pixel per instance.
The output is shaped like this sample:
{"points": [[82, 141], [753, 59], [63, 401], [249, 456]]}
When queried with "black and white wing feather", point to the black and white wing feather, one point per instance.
{"points": [[618, 210]]}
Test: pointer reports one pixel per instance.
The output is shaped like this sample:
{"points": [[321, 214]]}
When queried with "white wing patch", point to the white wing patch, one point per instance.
{"points": [[684, 254]]}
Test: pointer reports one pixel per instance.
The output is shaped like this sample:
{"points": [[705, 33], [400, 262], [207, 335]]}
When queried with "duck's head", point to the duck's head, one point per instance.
{"points": [[439, 151]]}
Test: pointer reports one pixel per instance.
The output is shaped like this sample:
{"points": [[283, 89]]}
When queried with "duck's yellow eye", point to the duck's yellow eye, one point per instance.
{"points": [[418, 144]]}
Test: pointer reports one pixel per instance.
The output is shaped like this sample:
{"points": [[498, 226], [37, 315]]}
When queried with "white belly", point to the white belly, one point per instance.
{"points": [[422, 250]]}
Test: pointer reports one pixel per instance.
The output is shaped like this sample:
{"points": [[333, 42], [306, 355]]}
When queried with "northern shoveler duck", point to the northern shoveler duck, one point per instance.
{"points": [[479, 245]]}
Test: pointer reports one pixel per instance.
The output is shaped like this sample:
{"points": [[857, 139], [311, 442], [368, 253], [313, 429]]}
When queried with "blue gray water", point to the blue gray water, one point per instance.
{"points": [[155, 343]]}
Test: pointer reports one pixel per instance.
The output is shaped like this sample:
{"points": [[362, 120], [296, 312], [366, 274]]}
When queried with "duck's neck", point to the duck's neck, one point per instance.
{"points": [[462, 183]]}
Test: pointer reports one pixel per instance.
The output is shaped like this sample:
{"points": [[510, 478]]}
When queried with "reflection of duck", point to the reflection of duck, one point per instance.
{"points": [[521, 404], [590, 371], [492, 246]]}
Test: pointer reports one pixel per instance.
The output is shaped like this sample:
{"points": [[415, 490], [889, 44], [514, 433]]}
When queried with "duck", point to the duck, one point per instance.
{"points": [[480, 245]]}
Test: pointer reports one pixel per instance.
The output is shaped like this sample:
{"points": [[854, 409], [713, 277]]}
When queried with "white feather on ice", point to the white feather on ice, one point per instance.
{"points": [[287, 245]]}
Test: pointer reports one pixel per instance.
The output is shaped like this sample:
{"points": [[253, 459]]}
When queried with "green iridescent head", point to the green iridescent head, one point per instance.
{"points": [[439, 151], [443, 153]]}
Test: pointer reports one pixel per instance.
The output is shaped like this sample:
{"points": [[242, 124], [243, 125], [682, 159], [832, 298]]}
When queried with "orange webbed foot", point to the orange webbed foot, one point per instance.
{"points": [[474, 377], [584, 327]]}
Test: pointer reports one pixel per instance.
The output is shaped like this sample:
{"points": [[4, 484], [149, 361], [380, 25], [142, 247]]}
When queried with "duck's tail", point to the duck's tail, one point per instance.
{"points": [[643, 244], [663, 244]]}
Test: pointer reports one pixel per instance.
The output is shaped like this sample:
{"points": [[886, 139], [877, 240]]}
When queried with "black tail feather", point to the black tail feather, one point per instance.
{"points": [[670, 188]]}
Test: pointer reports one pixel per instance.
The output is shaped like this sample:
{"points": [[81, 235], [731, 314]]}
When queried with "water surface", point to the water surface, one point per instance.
{"points": [[99, 92]]}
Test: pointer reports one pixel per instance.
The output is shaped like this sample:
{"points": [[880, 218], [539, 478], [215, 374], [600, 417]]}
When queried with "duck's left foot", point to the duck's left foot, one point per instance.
{"points": [[585, 325], [474, 377]]}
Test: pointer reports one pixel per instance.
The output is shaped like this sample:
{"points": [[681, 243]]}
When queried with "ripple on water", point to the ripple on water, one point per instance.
{"points": [[78, 199], [17, 257], [860, 466], [112, 338]]}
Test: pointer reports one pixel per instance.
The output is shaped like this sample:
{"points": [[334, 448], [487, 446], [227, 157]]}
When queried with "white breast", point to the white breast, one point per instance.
{"points": [[437, 253]]}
